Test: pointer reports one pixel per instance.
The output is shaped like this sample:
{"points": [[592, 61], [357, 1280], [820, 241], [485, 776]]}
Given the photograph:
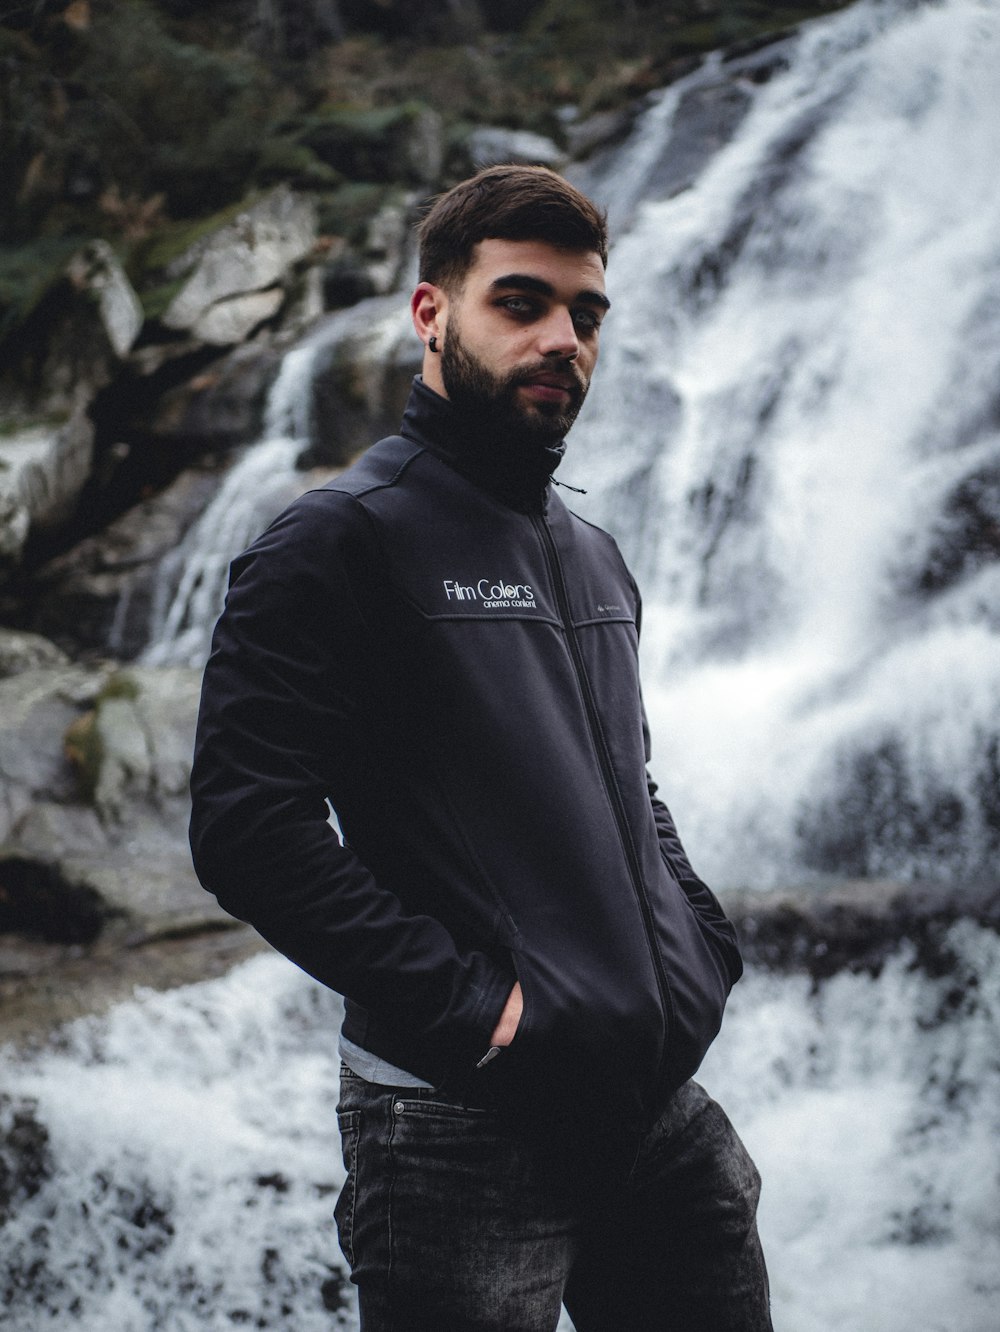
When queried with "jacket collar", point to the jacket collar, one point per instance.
{"points": [[517, 471]]}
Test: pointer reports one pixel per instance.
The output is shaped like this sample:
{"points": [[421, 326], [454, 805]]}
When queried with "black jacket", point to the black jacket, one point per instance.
{"points": [[435, 645]]}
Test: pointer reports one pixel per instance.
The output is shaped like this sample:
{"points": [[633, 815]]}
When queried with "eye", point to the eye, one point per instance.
{"points": [[519, 306], [586, 321]]}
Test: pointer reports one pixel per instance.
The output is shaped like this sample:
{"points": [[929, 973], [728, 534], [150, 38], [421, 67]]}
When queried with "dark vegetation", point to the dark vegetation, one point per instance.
{"points": [[141, 121]]}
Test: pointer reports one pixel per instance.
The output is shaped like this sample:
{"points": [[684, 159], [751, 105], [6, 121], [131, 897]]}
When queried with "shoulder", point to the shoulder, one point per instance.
{"points": [[338, 512], [382, 466]]}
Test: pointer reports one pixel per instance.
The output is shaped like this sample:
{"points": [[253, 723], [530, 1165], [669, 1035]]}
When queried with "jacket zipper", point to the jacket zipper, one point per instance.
{"points": [[604, 761]]}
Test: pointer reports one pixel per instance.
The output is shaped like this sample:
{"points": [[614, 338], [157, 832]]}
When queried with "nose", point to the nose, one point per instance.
{"points": [[558, 336]]}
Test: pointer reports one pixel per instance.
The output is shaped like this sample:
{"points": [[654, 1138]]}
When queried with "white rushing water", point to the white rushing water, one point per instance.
{"points": [[194, 1154], [794, 432], [193, 579]]}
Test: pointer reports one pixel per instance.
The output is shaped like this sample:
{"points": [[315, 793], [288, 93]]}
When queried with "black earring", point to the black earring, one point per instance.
{"points": [[432, 344]]}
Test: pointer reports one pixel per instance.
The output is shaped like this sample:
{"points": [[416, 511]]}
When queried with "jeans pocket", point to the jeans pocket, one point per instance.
{"points": [[349, 1122]]}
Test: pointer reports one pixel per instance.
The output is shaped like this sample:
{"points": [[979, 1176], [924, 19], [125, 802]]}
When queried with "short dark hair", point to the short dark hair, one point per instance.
{"points": [[506, 203]]}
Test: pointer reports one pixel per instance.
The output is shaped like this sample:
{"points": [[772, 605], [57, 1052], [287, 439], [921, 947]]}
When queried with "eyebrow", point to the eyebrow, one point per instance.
{"points": [[525, 282]]}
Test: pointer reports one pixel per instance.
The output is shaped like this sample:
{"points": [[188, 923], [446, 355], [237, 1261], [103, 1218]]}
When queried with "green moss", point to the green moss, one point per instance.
{"points": [[82, 742], [348, 210], [84, 750], [156, 300], [285, 160], [16, 425], [28, 273], [362, 142], [119, 685], [155, 254]]}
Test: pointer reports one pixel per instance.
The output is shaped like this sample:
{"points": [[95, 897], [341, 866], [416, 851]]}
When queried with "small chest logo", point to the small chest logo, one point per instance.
{"points": [[491, 593]]}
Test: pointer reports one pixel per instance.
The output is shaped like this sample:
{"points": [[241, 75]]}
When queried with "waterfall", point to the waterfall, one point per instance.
{"points": [[794, 432], [192, 582]]}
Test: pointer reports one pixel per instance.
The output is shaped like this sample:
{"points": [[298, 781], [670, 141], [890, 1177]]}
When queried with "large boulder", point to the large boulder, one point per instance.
{"points": [[94, 802], [490, 145], [217, 408], [97, 891], [403, 143], [97, 597], [233, 278]]}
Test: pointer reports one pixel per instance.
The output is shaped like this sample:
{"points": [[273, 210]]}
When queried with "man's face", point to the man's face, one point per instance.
{"points": [[519, 340]]}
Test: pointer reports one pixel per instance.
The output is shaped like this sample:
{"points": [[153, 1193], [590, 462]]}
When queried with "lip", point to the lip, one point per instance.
{"points": [[550, 386]]}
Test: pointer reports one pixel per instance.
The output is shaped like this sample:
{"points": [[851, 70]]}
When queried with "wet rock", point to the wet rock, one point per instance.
{"points": [[402, 143], [216, 408], [601, 130], [36, 899], [94, 804], [491, 145], [856, 925], [249, 256], [97, 598], [96, 269], [966, 534], [374, 265], [706, 120], [38, 706], [234, 318], [27, 652], [359, 390], [25, 1159], [43, 469]]}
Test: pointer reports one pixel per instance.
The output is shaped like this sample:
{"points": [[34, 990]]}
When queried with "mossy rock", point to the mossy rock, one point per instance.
{"points": [[155, 256], [284, 161], [401, 142], [83, 744], [348, 210]]}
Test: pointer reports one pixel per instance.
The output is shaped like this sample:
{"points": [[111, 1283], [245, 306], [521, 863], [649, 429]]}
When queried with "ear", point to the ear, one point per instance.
{"points": [[429, 309], [428, 306]]}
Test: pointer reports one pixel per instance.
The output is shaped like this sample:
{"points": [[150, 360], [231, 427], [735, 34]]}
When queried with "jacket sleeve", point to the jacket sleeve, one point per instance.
{"points": [[279, 703]]}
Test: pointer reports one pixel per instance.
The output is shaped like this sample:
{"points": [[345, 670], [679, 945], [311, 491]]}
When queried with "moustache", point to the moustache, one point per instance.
{"points": [[563, 370]]}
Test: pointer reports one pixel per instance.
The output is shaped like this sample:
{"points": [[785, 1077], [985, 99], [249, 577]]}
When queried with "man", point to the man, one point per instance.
{"points": [[532, 971]]}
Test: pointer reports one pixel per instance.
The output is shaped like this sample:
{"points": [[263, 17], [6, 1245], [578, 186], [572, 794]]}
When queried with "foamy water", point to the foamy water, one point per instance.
{"points": [[797, 381], [195, 1156]]}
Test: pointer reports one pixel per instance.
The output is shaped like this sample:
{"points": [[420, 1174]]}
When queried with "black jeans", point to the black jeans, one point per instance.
{"points": [[451, 1222]]}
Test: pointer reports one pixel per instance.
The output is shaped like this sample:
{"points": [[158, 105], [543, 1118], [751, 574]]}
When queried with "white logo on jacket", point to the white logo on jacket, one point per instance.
{"points": [[490, 593]]}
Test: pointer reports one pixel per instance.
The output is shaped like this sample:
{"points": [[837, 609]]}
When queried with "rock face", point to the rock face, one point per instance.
{"points": [[489, 146], [94, 799], [857, 924], [95, 773], [97, 598], [97, 269], [133, 397], [97, 892], [234, 277], [42, 471]]}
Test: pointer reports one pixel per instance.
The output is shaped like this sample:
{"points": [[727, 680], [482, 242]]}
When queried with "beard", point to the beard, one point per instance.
{"points": [[493, 401]]}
